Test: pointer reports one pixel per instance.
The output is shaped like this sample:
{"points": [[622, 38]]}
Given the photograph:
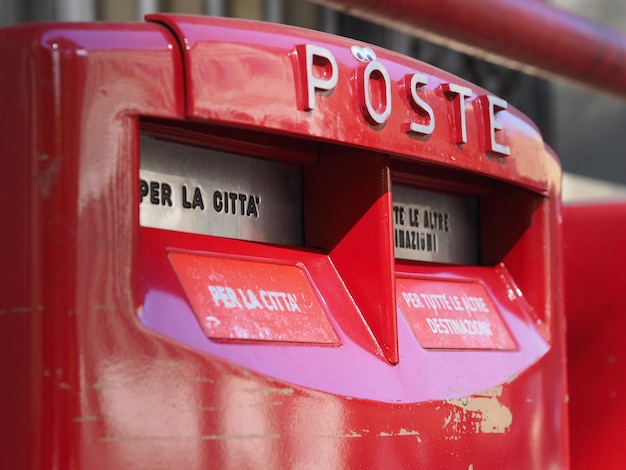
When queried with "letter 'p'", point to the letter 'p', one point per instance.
{"points": [[318, 72]]}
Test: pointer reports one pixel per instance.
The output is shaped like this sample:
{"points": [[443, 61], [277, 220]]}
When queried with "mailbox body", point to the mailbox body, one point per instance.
{"points": [[595, 275], [106, 360]]}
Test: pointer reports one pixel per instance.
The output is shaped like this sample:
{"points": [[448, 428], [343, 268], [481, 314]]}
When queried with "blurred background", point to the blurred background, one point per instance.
{"points": [[585, 128]]}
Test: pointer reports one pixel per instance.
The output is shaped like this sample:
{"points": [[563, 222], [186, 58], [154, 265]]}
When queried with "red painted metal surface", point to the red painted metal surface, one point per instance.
{"points": [[69, 109], [104, 363], [595, 286], [531, 35]]}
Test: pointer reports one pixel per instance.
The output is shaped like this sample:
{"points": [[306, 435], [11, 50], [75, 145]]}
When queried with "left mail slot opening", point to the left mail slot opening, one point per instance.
{"points": [[208, 192], [207, 203]]}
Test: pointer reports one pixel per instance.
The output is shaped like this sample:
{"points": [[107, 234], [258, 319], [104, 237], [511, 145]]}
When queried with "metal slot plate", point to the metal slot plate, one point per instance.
{"points": [[435, 227], [202, 191]]}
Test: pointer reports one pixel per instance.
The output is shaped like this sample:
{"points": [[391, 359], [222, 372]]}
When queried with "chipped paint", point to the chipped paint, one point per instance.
{"points": [[406, 432], [481, 413], [350, 434], [401, 432]]}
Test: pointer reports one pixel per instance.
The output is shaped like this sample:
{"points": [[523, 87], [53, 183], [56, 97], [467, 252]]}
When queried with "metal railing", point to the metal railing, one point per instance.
{"points": [[530, 35], [22, 11]]}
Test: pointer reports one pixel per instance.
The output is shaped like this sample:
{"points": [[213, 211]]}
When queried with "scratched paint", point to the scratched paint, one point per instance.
{"points": [[265, 391], [219, 437], [349, 434], [481, 413], [48, 177], [22, 310]]}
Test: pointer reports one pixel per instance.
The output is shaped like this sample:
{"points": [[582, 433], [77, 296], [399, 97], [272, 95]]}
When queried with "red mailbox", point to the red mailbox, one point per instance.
{"points": [[231, 244]]}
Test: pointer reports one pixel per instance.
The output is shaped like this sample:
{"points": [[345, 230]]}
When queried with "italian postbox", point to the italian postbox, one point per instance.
{"points": [[230, 244]]}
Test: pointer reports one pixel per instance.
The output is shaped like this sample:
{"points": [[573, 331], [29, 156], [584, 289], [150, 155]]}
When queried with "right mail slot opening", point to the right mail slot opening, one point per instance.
{"points": [[434, 226]]}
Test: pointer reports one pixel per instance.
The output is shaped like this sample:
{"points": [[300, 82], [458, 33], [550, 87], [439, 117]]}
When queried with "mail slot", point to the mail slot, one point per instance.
{"points": [[238, 244]]}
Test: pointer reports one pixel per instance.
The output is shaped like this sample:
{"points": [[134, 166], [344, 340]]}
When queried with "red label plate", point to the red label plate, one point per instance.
{"points": [[251, 300], [452, 315]]}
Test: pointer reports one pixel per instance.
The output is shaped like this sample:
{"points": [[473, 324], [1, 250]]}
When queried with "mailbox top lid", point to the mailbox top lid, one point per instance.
{"points": [[306, 83]]}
